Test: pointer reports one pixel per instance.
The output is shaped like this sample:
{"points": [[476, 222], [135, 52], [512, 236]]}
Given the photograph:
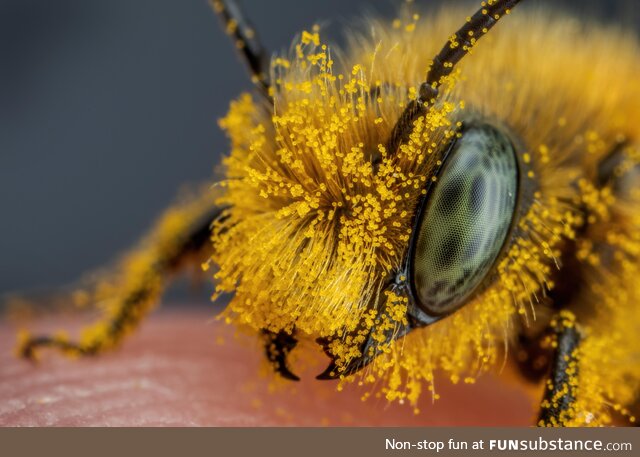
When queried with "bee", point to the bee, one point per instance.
{"points": [[436, 198]]}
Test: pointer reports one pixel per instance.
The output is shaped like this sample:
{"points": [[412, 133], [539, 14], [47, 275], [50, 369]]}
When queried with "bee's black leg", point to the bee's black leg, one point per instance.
{"points": [[559, 395], [246, 40], [142, 281]]}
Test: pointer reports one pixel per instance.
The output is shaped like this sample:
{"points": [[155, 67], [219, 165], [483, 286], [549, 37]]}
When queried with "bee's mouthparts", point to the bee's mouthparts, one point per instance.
{"points": [[279, 345]]}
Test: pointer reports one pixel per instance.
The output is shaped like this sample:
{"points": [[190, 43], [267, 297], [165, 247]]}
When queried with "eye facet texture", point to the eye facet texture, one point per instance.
{"points": [[466, 219]]}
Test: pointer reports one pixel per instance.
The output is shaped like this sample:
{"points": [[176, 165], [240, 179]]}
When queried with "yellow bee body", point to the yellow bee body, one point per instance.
{"points": [[319, 214], [316, 231]]}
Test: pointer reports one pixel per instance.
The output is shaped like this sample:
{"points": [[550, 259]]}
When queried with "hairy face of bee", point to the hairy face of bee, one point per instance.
{"points": [[464, 220], [332, 236], [454, 239]]}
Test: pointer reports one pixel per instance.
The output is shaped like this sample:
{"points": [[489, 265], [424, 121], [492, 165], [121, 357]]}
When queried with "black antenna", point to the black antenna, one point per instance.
{"points": [[465, 38], [246, 40]]}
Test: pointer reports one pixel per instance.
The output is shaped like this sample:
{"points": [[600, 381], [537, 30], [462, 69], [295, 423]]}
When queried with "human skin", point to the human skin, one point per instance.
{"points": [[184, 368]]}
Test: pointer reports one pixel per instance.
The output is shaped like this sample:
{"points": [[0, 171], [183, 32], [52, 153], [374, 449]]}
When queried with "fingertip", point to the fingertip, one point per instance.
{"points": [[174, 371]]}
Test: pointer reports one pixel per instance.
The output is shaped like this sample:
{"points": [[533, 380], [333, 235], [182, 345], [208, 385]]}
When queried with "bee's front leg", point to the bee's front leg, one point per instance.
{"points": [[556, 408], [141, 281]]}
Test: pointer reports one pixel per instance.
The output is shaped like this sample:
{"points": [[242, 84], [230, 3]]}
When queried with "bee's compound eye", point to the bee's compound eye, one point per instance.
{"points": [[465, 219]]}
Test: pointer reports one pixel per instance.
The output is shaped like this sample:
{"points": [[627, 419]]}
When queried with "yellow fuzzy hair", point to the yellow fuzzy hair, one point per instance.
{"points": [[136, 285], [314, 231]]}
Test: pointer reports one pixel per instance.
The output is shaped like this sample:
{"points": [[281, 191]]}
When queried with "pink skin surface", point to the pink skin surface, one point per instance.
{"points": [[183, 368]]}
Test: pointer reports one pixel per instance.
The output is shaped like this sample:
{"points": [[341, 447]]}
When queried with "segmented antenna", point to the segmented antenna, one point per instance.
{"points": [[465, 38], [246, 41]]}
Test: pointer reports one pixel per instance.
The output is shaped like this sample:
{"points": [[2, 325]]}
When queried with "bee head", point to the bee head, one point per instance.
{"points": [[361, 209]]}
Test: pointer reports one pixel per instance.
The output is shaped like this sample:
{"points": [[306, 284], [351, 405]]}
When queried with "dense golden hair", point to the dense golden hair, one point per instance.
{"points": [[314, 229]]}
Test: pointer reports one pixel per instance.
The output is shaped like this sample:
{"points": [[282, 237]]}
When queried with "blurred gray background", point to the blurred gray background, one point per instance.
{"points": [[108, 107]]}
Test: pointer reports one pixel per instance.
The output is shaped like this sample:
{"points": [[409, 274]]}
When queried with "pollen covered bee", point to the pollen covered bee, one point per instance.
{"points": [[422, 210]]}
